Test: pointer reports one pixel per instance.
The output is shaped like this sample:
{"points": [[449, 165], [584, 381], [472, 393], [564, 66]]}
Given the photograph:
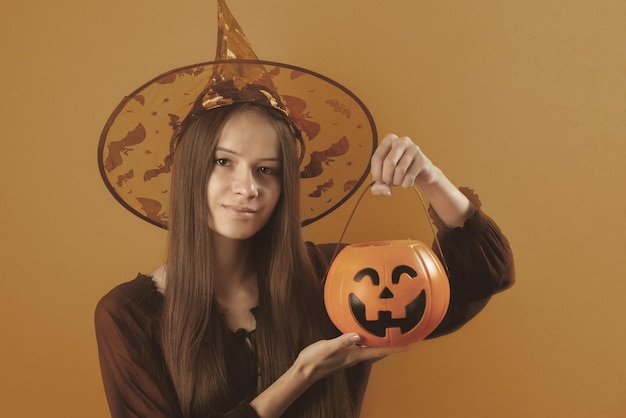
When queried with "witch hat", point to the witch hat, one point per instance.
{"points": [[338, 135]]}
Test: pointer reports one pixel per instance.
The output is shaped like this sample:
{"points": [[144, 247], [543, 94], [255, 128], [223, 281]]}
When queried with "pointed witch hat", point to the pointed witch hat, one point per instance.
{"points": [[337, 132]]}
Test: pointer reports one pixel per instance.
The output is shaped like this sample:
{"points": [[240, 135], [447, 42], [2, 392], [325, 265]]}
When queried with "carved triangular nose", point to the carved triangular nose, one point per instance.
{"points": [[386, 294]]}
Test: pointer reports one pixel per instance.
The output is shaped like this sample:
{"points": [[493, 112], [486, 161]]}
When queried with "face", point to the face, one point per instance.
{"points": [[244, 185]]}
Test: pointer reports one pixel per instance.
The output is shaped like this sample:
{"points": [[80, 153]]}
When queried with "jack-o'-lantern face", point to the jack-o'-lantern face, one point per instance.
{"points": [[389, 292], [409, 304]]}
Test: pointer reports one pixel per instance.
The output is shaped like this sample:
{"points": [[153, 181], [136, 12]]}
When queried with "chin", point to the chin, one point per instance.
{"points": [[235, 235]]}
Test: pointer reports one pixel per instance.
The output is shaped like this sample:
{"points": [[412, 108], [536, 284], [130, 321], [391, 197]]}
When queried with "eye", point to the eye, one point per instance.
{"points": [[368, 272], [222, 162], [268, 171], [399, 271]]}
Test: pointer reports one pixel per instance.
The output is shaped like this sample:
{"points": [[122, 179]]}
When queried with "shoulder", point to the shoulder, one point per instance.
{"points": [[135, 302]]}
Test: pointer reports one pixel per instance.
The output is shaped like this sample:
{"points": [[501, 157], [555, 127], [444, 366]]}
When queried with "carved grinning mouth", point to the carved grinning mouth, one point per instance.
{"points": [[378, 327]]}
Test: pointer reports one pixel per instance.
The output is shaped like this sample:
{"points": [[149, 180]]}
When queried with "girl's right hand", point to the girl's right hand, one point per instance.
{"points": [[324, 357]]}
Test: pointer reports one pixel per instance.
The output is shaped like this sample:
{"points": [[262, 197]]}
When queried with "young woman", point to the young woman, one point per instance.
{"points": [[234, 323]]}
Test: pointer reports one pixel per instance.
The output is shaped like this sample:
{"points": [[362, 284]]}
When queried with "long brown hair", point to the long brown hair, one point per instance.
{"points": [[290, 314]]}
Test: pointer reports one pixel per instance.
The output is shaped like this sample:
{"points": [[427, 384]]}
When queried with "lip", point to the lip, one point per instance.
{"points": [[242, 212]]}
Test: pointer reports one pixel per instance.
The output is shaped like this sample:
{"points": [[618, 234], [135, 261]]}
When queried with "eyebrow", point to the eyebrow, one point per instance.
{"points": [[230, 151]]}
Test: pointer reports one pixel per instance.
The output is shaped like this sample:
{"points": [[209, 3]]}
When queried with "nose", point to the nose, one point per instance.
{"points": [[244, 184], [386, 294]]}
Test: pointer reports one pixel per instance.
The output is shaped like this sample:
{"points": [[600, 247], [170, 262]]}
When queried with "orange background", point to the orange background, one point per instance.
{"points": [[522, 100]]}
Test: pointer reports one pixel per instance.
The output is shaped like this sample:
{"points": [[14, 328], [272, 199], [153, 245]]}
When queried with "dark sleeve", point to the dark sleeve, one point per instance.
{"points": [[480, 264], [134, 383], [478, 258], [134, 375]]}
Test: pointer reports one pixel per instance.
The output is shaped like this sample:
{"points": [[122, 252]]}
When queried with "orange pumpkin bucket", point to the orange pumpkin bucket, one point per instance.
{"points": [[391, 293]]}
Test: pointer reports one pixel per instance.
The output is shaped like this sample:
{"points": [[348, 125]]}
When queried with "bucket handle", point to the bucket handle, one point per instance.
{"points": [[414, 187]]}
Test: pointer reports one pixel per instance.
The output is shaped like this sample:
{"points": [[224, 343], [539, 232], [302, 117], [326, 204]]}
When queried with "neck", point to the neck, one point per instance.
{"points": [[234, 268]]}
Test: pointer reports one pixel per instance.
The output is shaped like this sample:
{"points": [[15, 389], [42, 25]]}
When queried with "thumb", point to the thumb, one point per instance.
{"points": [[347, 340], [381, 189]]}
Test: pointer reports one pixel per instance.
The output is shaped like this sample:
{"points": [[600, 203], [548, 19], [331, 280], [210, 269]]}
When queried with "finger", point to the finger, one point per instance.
{"points": [[379, 156], [381, 189], [345, 341], [407, 167], [371, 354], [376, 353], [391, 161], [418, 165], [398, 160]]}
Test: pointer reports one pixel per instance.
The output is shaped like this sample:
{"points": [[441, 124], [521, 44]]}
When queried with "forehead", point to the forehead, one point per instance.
{"points": [[249, 130]]}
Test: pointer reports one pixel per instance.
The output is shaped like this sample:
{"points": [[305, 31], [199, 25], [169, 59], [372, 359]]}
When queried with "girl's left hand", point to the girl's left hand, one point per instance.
{"points": [[398, 161], [324, 357]]}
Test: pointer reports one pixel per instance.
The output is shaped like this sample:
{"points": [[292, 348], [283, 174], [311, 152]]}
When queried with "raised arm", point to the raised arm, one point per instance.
{"points": [[398, 161], [477, 253]]}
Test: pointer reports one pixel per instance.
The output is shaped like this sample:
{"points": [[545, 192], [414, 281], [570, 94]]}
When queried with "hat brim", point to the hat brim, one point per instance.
{"points": [[338, 132]]}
